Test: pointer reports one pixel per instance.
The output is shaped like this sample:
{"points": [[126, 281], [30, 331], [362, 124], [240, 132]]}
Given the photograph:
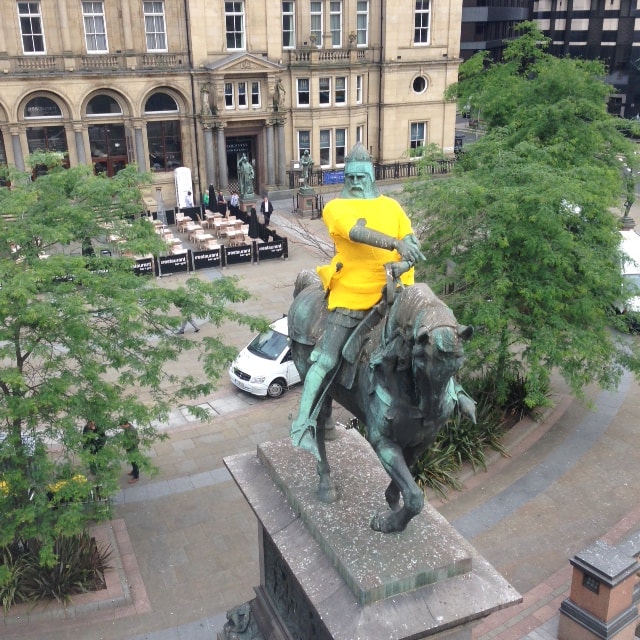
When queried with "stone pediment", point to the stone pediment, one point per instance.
{"points": [[242, 62]]}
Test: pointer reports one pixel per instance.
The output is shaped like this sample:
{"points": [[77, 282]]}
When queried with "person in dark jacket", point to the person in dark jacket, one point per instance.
{"points": [[266, 209], [130, 442], [94, 439]]}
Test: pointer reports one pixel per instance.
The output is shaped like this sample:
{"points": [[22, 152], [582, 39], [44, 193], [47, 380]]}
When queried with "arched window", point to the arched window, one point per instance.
{"points": [[163, 135], [103, 105], [108, 140], [42, 107], [42, 136]]}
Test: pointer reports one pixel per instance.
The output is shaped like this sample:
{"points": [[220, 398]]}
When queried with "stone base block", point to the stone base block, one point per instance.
{"points": [[325, 574]]}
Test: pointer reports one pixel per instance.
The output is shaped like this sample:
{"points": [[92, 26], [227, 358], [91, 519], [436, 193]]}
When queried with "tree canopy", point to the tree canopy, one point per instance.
{"points": [[82, 337], [528, 224]]}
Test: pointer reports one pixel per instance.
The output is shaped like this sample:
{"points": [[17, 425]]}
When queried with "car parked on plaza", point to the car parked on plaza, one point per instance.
{"points": [[264, 367]]}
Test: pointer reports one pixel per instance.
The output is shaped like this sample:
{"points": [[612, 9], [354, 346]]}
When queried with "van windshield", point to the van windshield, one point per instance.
{"points": [[269, 344]]}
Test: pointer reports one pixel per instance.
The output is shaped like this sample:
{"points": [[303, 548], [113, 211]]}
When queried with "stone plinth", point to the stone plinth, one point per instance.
{"points": [[326, 575], [601, 602], [306, 202]]}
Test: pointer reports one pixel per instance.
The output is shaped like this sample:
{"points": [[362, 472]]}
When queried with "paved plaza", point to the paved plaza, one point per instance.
{"points": [[568, 481]]}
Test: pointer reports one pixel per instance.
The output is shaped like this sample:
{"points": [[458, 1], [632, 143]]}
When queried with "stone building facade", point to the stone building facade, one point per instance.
{"points": [[197, 83]]}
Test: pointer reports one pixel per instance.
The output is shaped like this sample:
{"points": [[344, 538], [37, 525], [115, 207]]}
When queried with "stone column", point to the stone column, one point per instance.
{"points": [[63, 21], [16, 145], [282, 165], [126, 25], [271, 156], [79, 138], [141, 153], [209, 155], [222, 157], [3, 40]]}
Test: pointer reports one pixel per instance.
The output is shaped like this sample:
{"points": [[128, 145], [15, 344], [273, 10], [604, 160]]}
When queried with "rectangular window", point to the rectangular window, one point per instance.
{"points": [[234, 23], [31, 27], [341, 145], [362, 23], [304, 142], [165, 145], [358, 89], [341, 90], [303, 92], [421, 28], [228, 95], [417, 141], [325, 147], [316, 24], [255, 94], [325, 91], [95, 31], [288, 25], [243, 102], [154, 26], [360, 133], [335, 23]]}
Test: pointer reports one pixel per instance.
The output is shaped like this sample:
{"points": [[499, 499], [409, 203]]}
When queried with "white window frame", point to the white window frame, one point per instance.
{"points": [[243, 98], [360, 133], [288, 24], [155, 25], [359, 83], [255, 94], [229, 101], [300, 90], [417, 137], [343, 146], [234, 24], [324, 91], [325, 149], [422, 23], [362, 23], [303, 144], [316, 12], [95, 27], [340, 92], [36, 27], [335, 23]]}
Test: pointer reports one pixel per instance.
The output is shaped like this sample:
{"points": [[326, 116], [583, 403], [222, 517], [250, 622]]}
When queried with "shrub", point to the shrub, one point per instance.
{"points": [[79, 567]]}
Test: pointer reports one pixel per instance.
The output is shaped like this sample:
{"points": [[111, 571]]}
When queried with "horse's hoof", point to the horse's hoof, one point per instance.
{"points": [[328, 494], [386, 523]]}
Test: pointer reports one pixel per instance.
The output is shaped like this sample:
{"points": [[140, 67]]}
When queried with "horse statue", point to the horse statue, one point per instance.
{"points": [[397, 380]]}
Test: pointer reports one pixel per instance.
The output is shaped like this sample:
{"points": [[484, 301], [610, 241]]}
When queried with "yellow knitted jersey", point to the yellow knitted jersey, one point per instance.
{"points": [[358, 284]]}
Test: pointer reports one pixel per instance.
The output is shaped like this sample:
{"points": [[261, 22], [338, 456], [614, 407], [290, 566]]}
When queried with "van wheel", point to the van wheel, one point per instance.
{"points": [[276, 388]]}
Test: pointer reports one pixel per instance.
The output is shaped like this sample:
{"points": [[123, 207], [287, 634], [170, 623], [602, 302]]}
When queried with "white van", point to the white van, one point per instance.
{"points": [[630, 245], [264, 367]]}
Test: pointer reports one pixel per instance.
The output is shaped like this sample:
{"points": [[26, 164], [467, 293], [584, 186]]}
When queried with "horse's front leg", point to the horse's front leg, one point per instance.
{"points": [[392, 458], [327, 488]]}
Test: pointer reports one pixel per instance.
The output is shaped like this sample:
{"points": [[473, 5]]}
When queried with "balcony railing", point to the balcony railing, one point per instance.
{"points": [[98, 62], [313, 55]]}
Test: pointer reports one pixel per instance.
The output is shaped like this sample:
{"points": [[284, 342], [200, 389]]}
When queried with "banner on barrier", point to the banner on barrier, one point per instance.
{"points": [[144, 267], [238, 255], [270, 250], [178, 263], [206, 259]]}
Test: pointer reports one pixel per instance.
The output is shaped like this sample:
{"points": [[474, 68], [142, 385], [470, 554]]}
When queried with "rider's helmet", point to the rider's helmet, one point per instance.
{"points": [[358, 160]]}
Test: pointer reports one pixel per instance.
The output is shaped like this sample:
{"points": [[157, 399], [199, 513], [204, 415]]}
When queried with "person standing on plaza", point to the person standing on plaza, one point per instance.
{"points": [[94, 439], [234, 204], [222, 205], [188, 200], [130, 442], [266, 209]]}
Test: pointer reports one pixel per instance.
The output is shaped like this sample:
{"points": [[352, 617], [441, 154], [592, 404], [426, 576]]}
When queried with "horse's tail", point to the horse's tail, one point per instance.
{"points": [[306, 278]]}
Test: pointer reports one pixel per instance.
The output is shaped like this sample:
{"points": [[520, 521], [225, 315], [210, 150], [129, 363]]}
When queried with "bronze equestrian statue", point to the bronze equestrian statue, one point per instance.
{"points": [[403, 391]]}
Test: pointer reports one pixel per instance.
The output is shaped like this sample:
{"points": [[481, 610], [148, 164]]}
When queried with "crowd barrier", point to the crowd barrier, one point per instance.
{"points": [[190, 260]]}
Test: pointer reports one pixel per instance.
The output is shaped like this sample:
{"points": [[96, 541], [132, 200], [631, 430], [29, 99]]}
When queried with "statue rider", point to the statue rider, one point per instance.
{"points": [[371, 233]]}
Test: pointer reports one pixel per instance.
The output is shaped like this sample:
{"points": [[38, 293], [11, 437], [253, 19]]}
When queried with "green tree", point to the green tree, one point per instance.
{"points": [[528, 223], [82, 337]]}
